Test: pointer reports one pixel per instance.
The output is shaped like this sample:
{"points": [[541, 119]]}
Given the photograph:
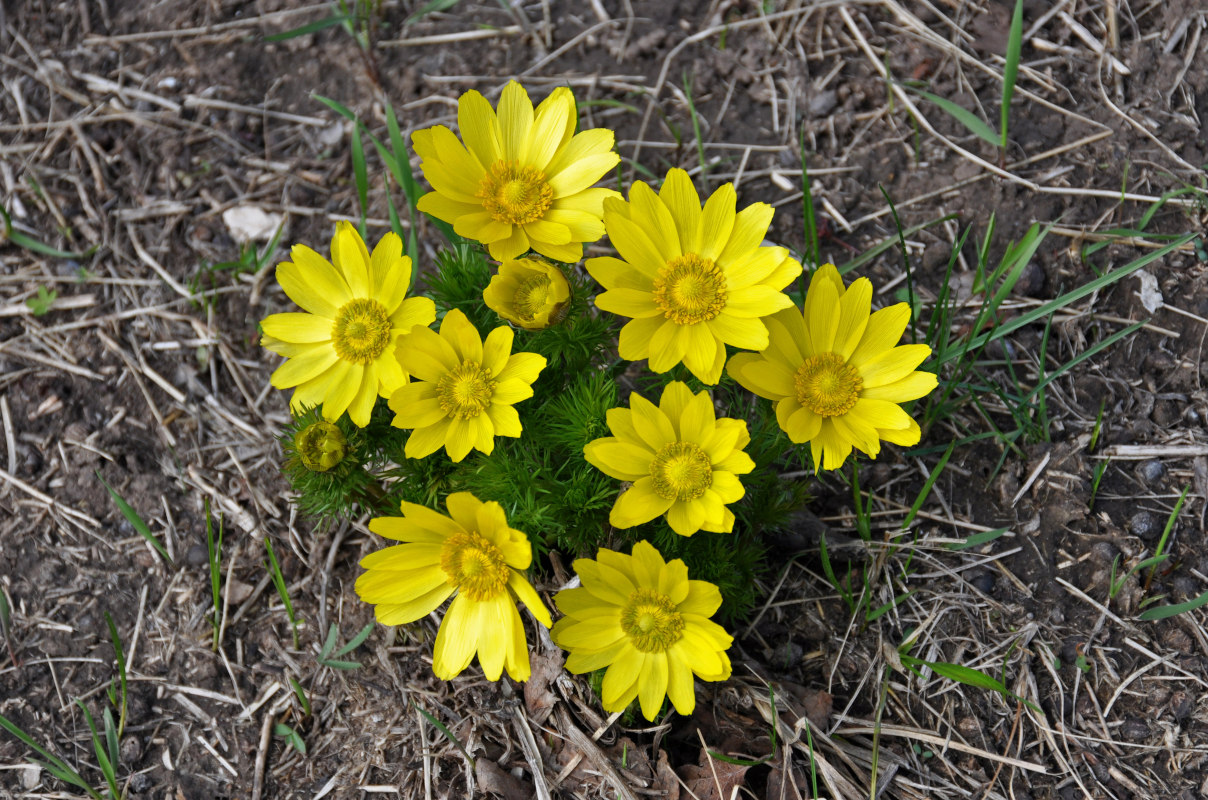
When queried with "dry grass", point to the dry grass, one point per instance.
{"points": [[134, 130]]}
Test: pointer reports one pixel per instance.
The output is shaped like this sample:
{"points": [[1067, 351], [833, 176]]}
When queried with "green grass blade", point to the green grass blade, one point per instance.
{"points": [[876, 250], [428, 8], [134, 519], [1162, 612], [440, 726], [926, 490], [1083, 356], [356, 642], [977, 539], [360, 173], [282, 589], [700, 142], [20, 239], [120, 655], [813, 251], [1011, 69], [1088, 288], [310, 27], [967, 676], [52, 763], [971, 121]]}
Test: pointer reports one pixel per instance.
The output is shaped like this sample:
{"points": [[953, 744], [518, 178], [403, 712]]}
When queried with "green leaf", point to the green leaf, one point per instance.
{"points": [[20, 239], [134, 519], [428, 8], [971, 121]]}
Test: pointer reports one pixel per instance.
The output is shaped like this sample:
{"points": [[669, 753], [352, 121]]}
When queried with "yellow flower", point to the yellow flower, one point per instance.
{"points": [[834, 371], [530, 293], [472, 552], [522, 179], [464, 389], [339, 352], [683, 461], [693, 279], [643, 619]]}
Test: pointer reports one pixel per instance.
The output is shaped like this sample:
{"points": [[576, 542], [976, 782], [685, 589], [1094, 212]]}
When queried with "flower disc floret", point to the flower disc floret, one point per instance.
{"points": [[474, 565], [836, 373], [683, 462], [338, 349], [529, 292], [692, 278], [650, 621], [641, 617], [471, 555], [519, 177], [463, 390], [827, 385], [681, 471], [515, 194], [690, 289], [361, 331]]}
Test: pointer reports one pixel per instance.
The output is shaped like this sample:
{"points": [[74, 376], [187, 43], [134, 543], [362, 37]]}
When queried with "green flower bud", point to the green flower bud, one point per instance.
{"points": [[320, 446]]}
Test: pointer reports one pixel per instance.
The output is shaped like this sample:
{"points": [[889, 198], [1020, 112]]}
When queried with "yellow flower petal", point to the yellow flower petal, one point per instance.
{"points": [[885, 329], [750, 227], [628, 303], [893, 365], [650, 422], [912, 387], [479, 128], [308, 366], [683, 203], [515, 121], [300, 328], [638, 504], [854, 308], [456, 640], [351, 258], [312, 282], [617, 459], [505, 421], [425, 441], [653, 686], [636, 336], [717, 222], [413, 609], [552, 125], [361, 405]]}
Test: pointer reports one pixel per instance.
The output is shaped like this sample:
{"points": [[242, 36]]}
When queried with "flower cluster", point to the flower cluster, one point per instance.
{"points": [[695, 282]]}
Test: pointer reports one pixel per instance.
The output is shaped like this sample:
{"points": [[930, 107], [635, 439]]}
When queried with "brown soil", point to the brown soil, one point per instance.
{"points": [[131, 127]]}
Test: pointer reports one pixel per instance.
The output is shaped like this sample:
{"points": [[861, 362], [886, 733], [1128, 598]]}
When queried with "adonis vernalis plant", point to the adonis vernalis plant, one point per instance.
{"points": [[522, 398]]}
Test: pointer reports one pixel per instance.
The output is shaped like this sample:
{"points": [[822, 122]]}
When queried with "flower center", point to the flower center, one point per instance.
{"points": [[681, 471], [474, 565], [828, 385], [320, 446], [690, 289], [650, 621], [361, 331], [531, 297], [466, 391], [514, 194]]}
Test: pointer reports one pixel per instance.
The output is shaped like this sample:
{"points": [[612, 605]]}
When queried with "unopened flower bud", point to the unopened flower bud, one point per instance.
{"points": [[320, 446]]}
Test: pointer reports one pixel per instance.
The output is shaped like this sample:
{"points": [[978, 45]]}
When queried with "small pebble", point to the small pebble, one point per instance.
{"points": [[131, 750], [1134, 729], [30, 778], [1144, 525], [984, 582], [1151, 471], [197, 555], [140, 782]]}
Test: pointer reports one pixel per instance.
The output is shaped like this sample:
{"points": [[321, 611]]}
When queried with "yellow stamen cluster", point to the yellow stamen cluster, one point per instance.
{"points": [[681, 471], [690, 289], [361, 330], [515, 194], [465, 392], [827, 385], [651, 621], [474, 565]]}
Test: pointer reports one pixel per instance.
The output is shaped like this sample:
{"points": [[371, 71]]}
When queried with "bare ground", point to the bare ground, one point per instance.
{"points": [[132, 127]]}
